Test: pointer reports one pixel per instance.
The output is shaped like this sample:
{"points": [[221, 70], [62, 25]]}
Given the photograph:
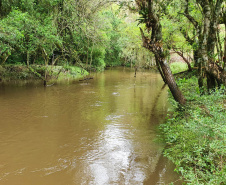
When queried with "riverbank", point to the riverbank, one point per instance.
{"points": [[196, 134], [37, 72]]}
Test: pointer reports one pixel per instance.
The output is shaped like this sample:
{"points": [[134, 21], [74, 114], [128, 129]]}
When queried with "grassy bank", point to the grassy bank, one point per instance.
{"points": [[196, 135], [36, 72]]}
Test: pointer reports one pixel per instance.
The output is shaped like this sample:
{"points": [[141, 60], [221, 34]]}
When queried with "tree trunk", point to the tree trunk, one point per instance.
{"points": [[163, 67], [217, 73], [28, 58], [219, 45], [1, 12], [135, 74], [196, 57], [211, 82], [87, 54], [200, 72], [46, 59], [224, 58], [4, 58], [203, 41], [160, 71], [154, 44], [212, 39], [169, 78]]}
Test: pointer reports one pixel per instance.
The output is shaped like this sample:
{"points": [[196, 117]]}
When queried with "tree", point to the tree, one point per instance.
{"points": [[150, 16], [206, 31]]}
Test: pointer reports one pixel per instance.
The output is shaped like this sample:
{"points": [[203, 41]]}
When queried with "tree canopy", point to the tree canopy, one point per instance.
{"points": [[84, 33]]}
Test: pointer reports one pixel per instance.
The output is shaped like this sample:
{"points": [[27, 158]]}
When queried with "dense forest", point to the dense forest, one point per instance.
{"points": [[95, 34], [87, 34]]}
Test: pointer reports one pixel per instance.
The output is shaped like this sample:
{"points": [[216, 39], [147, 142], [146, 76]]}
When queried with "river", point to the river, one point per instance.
{"points": [[97, 132]]}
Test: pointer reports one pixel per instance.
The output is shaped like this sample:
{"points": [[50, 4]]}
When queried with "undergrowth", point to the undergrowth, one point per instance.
{"points": [[34, 72], [196, 135], [177, 67]]}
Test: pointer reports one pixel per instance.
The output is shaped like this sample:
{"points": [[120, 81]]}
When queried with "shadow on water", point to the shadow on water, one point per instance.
{"points": [[157, 98], [163, 171]]}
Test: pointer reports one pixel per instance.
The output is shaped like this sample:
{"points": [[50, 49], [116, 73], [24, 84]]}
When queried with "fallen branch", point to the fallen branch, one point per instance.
{"points": [[182, 72]]}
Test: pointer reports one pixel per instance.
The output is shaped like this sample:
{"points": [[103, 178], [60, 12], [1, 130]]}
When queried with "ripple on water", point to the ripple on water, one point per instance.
{"points": [[89, 92], [116, 93], [16, 172], [97, 104], [113, 117], [61, 165]]}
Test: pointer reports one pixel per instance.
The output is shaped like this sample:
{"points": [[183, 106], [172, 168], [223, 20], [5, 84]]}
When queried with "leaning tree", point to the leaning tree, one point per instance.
{"points": [[150, 15]]}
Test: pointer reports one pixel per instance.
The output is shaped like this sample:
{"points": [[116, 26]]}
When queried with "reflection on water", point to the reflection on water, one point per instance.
{"points": [[98, 132]]}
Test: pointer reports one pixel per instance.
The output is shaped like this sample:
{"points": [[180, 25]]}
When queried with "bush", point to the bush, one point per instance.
{"points": [[195, 136]]}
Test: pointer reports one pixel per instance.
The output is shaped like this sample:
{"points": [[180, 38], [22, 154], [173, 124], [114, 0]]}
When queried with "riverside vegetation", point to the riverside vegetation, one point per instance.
{"points": [[36, 72], [195, 135]]}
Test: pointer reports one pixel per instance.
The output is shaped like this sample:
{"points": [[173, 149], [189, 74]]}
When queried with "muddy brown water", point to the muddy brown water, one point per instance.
{"points": [[95, 132]]}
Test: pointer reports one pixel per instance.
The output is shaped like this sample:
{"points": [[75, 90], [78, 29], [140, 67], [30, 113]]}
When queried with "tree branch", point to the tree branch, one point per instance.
{"points": [[186, 36], [189, 17]]}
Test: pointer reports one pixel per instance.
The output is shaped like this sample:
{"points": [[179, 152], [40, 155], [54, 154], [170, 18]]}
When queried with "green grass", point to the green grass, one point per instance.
{"points": [[196, 135], [177, 67]]}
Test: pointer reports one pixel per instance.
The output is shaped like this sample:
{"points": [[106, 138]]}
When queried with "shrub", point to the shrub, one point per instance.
{"points": [[195, 136]]}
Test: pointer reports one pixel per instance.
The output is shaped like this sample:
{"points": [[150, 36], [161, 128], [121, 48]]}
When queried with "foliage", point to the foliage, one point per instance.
{"points": [[72, 72], [125, 45], [58, 32], [35, 72], [177, 67], [22, 34], [195, 136]]}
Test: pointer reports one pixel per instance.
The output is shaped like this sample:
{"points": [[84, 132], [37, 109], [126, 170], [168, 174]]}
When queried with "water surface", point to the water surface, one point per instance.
{"points": [[95, 132]]}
